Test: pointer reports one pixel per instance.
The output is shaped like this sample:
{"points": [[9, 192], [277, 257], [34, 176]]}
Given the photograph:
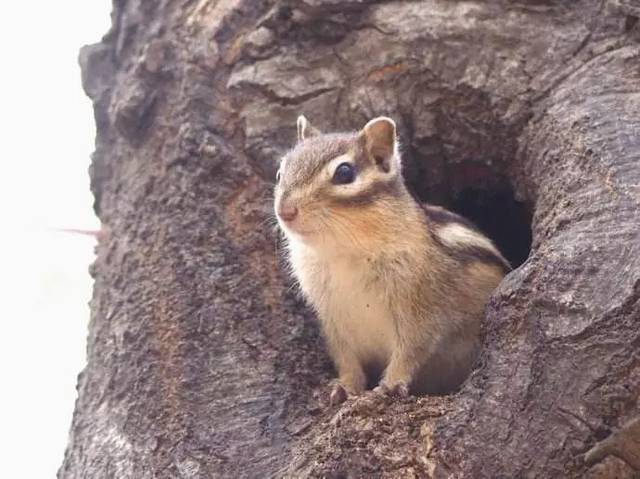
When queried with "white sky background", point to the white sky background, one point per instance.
{"points": [[46, 137]]}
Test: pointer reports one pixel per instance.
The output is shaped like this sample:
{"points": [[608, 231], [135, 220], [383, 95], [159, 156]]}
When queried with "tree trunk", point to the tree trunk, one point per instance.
{"points": [[202, 362]]}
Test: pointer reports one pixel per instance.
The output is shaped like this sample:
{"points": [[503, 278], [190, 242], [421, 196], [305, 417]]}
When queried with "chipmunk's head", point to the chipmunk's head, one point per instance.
{"points": [[338, 186]]}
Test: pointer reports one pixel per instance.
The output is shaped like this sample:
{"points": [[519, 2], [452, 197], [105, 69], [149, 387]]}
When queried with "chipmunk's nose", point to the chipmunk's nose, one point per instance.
{"points": [[287, 211]]}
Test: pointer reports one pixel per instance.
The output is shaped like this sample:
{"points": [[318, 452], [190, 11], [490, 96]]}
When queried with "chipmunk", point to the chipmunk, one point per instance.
{"points": [[399, 287]]}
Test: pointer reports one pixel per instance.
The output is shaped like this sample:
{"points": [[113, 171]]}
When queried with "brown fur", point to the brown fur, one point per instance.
{"points": [[399, 288]]}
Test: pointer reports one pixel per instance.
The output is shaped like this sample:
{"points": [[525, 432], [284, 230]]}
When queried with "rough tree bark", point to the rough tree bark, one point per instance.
{"points": [[201, 360]]}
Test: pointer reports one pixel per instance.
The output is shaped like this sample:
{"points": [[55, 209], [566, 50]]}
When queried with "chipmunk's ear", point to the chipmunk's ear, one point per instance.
{"points": [[305, 129], [380, 141]]}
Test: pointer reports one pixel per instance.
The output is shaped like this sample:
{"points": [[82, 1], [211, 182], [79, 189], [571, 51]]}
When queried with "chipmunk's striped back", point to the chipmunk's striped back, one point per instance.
{"points": [[461, 239]]}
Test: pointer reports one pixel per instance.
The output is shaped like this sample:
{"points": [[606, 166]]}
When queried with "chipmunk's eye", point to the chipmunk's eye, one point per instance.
{"points": [[345, 173], [278, 176]]}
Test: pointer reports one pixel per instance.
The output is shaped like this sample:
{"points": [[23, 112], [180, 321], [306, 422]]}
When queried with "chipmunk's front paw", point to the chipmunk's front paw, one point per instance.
{"points": [[397, 390], [338, 395]]}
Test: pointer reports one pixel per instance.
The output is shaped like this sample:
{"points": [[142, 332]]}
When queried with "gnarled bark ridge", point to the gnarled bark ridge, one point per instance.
{"points": [[201, 360]]}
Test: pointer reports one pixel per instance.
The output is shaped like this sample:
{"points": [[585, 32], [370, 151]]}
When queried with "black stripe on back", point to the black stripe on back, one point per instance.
{"points": [[439, 217]]}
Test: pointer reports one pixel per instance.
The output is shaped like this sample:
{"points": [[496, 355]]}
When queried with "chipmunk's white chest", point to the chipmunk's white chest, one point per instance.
{"points": [[351, 303]]}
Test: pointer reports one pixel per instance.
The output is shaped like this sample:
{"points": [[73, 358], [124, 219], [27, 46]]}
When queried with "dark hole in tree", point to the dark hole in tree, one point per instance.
{"points": [[484, 196], [500, 216]]}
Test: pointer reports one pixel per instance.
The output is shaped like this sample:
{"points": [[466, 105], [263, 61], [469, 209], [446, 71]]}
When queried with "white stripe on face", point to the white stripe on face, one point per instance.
{"points": [[365, 177]]}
